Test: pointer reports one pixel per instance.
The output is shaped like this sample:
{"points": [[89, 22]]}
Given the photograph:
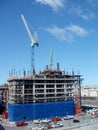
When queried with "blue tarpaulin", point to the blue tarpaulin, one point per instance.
{"points": [[20, 112]]}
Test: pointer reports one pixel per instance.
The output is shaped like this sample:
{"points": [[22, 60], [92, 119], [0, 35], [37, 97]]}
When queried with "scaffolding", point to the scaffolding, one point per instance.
{"points": [[47, 86]]}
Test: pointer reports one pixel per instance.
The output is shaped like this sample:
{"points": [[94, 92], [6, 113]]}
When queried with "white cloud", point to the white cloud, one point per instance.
{"points": [[77, 30], [83, 13], [54, 4], [93, 3], [68, 33]]}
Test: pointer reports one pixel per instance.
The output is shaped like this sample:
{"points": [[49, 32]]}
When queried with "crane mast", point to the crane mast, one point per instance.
{"points": [[33, 43]]}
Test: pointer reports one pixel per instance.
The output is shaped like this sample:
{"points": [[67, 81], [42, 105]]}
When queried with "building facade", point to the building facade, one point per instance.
{"points": [[45, 95], [89, 91]]}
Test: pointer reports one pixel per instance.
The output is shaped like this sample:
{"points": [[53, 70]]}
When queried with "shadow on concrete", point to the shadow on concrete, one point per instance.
{"points": [[1, 127]]}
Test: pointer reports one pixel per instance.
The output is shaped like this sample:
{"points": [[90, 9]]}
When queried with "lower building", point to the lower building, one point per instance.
{"points": [[3, 98]]}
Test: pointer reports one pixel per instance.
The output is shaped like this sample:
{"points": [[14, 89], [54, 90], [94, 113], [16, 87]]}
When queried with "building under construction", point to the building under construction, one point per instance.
{"points": [[49, 93]]}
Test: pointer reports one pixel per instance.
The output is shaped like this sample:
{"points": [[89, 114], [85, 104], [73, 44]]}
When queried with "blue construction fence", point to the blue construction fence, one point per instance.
{"points": [[28, 112]]}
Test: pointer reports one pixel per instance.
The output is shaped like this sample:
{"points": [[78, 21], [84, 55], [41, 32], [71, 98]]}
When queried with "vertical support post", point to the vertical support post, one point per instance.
{"points": [[23, 94], [45, 92]]}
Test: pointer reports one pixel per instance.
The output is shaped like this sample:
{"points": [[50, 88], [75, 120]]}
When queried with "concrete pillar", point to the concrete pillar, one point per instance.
{"points": [[34, 92], [55, 91], [45, 92]]}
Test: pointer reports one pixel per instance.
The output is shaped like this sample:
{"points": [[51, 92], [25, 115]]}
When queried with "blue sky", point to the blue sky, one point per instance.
{"points": [[69, 27]]}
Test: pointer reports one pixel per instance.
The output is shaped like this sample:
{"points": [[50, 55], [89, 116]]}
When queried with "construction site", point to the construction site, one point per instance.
{"points": [[49, 93]]}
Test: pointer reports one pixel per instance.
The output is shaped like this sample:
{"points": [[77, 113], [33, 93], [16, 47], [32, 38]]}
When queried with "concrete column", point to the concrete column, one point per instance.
{"points": [[55, 91], [34, 91], [45, 92], [64, 91], [23, 93]]}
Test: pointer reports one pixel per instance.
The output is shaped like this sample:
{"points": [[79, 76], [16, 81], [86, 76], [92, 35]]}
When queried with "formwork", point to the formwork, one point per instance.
{"points": [[20, 112]]}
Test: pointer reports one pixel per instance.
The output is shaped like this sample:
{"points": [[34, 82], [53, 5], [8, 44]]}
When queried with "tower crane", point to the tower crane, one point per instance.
{"points": [[34, 42]]}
